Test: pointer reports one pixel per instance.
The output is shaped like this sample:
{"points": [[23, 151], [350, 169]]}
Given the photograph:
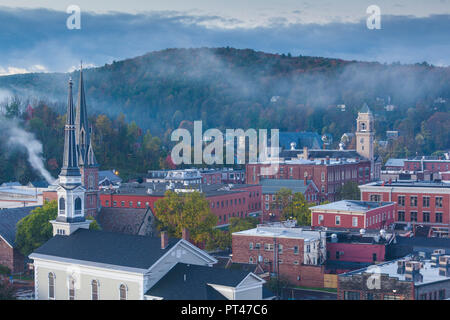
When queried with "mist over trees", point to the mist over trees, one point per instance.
{"points": [[135, 104]]}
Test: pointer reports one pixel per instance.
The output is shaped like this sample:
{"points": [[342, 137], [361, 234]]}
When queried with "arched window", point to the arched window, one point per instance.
{"points": [[77, 206], [94, 284], [91, 182], [123, 292], [363, 126], [62, 205], [71, 289], [51, 285]]}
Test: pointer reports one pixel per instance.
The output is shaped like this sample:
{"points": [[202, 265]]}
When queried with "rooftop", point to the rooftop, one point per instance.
{"points": [[429, 273], [8, 222], [351, 205], [281, 232], [193, 282], [409, 183], [106, 248], [271, 186]]}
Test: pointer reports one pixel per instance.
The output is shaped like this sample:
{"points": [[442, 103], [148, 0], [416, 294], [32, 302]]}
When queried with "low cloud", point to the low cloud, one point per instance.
{"points": [[41, 41]]}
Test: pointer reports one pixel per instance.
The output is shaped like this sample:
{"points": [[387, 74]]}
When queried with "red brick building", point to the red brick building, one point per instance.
{"points": [[225, 201], [353, 214], [327, 175], [430, 165], [297, 254], [270, 210], [418, 203]]}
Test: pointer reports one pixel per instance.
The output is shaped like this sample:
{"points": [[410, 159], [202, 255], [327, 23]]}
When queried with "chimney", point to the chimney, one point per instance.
{"points": [[305, 153], [164, 239], [185, 234]]}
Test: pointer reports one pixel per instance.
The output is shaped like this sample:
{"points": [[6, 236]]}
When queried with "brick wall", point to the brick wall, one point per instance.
{"points": [[11, 257]]}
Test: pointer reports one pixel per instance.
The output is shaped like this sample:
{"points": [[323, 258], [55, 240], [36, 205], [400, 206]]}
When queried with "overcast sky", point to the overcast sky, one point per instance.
{"points": [[34, 36]]}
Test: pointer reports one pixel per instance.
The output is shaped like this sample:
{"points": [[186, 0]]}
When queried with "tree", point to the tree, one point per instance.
{"points": [[300, 210], [35, 229], [7, 291], [349, 191], [189, 210], [221, 239], [283, 199]]}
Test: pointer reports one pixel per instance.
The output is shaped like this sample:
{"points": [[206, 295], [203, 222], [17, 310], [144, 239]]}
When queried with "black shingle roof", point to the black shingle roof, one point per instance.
{"points": [[196, 285], [107, 247], [8, 222]]}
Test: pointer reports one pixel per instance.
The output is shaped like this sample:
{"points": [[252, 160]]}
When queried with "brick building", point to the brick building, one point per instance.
{"points": [[328, 175], [354, 214], [226, 201], [270, 210], [297, 254], [403, 279], [418, 203]]}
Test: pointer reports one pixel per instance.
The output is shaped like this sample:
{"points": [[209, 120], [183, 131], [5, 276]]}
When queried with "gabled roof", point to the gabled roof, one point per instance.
{"points": [[192, 282], [8, 222], [109, 248], [111, 176]]}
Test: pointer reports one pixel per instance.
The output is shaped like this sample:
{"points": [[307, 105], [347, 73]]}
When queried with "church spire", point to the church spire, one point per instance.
{"points": [[70, 156], [81, 123]]}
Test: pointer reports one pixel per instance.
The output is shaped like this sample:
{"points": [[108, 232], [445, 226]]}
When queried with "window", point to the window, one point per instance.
{"points": [[123, 292], [391, 297], [375, 197], [413, 201], [352, 295], [62, 205], [257, 245], [338, 220], [413, 216], [94, 285], [322, 176], [71, 289], [354, 221], [296, 262], [267, 197], [439, 217], [308, 249], [369, 296], [115, 203], [295, 249], [426, 217], [268, 247], [106, 203], [51, 285], [442, 294], [438, 202], [122, 203], [338, 255], [250, 260], [426, 202], [401, 215], [320, 220], [77, 206], [139, 204], [250, 245], [374, 257], [280, 248]]}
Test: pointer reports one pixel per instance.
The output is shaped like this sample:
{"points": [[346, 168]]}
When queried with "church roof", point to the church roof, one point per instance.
{"points": [[109, 248], [8, 222], [193, 282]]}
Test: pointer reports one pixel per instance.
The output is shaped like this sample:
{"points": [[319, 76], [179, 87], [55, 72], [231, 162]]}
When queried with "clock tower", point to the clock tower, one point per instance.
{"points": [[365, 135]]}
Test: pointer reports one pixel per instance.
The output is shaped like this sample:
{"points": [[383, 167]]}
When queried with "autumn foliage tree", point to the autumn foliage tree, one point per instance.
{"points": [[189, 210]]}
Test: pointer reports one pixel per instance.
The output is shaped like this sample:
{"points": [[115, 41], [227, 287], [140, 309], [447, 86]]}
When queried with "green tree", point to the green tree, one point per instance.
{"points": [[35, 229], [189, 210], [349, 191]]}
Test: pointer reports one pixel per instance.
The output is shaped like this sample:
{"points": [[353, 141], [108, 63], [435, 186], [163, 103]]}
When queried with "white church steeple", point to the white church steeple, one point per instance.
{"points": [[70, 191]]}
